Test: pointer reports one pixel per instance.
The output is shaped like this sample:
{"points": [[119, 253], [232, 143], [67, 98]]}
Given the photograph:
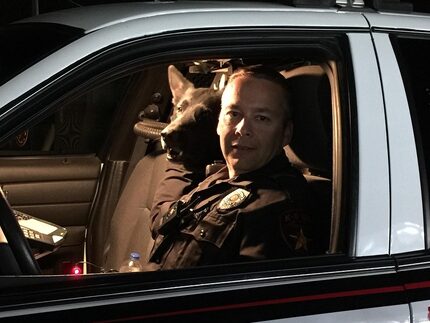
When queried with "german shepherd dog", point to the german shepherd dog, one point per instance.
{"points": [[191, 136]]}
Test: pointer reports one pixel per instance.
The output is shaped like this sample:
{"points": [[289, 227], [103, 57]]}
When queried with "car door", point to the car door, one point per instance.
{"points": [[373, 226], [356, 278], [401, 46], [50, 169]]}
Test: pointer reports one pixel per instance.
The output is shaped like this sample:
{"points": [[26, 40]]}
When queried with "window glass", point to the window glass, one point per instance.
{"points": [[79, 126], [412, 54], [211, 242]]}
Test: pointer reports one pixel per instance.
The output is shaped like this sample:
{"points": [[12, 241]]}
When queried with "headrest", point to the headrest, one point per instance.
{"points": [[310, 148], [149, 129]]}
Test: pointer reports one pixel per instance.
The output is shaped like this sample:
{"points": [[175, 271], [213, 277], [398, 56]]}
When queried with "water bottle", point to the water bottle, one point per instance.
{"points": [[132, 264]]}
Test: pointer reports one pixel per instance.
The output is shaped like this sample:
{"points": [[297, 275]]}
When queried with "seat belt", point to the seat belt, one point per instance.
{"points": [[139, 152]]}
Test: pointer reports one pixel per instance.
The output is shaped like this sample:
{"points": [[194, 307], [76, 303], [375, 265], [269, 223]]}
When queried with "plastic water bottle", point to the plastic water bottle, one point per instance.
{"points": [[132, 264]]}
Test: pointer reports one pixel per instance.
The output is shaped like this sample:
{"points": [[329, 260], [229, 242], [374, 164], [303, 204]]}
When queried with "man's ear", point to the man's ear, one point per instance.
{"points": [[218, 129], [288, 133], [178, 83]]}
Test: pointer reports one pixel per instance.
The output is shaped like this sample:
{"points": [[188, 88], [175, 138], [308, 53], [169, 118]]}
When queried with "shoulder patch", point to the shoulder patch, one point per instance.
{"points": [[233, 199], [293, 233]]}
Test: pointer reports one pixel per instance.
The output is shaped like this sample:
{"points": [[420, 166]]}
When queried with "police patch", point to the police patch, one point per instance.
{"points": [[233, 199]]}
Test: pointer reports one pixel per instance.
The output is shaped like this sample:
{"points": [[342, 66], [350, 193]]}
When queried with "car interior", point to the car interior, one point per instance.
{"points": [[88, 172]]}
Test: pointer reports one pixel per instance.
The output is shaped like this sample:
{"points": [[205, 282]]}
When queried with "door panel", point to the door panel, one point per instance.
{"points": [[53, 188], [58, 189]]}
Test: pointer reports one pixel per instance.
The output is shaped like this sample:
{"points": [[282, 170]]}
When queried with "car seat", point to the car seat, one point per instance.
{"points": [[130, 224], [310, 149]]}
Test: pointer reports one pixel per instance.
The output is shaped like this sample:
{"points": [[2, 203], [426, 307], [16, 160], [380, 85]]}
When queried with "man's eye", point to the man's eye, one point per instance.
{"points": [[262, 118], [232, 114], [231, 117]]}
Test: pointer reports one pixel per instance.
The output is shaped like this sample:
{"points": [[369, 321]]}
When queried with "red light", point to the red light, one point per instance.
{"points": [[76, 270]]}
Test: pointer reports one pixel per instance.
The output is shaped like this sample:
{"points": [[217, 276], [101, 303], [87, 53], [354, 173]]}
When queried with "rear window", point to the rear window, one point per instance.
{"points": [[25, 44]]}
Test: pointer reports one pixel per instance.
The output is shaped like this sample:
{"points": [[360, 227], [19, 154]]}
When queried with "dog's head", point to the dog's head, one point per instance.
{"points": [[191, 136]]}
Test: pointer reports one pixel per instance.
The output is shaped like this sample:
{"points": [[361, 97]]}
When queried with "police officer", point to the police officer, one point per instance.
{"points": [[253, 208]]}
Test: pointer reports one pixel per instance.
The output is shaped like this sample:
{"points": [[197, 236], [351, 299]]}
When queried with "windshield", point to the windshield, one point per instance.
{"points": [[25, 44]]}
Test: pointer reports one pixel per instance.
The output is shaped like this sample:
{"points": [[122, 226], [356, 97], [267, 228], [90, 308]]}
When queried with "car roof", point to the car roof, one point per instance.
{"points": [[412, 22], [91, 18], [108, 24]]}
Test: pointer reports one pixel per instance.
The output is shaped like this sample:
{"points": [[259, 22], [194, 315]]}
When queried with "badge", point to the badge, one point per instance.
{"points": [[233, 199]]}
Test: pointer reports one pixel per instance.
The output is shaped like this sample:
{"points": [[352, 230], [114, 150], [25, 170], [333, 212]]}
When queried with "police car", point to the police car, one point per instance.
{"points": [[79, 88]]}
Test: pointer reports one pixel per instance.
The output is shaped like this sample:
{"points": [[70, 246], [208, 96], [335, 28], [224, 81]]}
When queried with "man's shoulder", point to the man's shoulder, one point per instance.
{"points": [[289, 175], [284, 178], [281, 173]]}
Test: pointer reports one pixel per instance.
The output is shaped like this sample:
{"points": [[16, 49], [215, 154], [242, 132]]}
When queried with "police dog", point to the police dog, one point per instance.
{"points": [[191, 136]]}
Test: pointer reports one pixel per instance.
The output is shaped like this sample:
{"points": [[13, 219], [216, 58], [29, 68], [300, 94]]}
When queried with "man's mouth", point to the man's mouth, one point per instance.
{"points": [[241, 147]]}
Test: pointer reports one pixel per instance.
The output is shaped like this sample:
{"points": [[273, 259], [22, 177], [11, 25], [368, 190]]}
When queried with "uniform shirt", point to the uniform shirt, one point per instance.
{"points": [[253, 216]]}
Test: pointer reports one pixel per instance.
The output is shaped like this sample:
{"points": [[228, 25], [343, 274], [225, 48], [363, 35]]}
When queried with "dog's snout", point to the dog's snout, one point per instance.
{"points": [[170, 135]]}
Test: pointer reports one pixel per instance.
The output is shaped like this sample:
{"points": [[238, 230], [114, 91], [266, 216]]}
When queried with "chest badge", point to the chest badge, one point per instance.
{"points": [[233, 199]]}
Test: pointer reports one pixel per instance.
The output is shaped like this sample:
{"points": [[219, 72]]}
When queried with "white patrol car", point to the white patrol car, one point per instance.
{"points": [[78, 182]]}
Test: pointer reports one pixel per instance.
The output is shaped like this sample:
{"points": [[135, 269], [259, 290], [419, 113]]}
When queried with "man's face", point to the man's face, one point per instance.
{"points": [[252, 125]]}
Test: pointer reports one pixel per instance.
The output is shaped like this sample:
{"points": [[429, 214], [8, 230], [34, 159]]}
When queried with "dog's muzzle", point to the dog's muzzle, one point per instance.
{"points": [[173, 153], [154, 130]]}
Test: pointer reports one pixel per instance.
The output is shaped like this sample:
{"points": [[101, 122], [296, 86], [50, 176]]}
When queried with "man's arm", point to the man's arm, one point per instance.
{"points": [[177, 182], [279, 230]]}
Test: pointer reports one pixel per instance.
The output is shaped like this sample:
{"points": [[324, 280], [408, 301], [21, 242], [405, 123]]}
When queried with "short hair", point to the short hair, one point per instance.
{"points": [[269, 74]]}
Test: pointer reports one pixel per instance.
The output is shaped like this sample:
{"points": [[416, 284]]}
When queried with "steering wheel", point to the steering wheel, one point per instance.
{"points": [[16, 239]]}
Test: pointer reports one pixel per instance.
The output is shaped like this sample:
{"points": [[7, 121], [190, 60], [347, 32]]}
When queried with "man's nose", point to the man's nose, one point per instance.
{"points": [[243, 128]]}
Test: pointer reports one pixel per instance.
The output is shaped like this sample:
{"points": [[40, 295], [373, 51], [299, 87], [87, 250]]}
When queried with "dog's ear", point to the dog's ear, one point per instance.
{"points": [[178, 83]]}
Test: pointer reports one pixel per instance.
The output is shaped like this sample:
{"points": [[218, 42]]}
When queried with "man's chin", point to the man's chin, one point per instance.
{"points": [[242, 154], [242, 166]]}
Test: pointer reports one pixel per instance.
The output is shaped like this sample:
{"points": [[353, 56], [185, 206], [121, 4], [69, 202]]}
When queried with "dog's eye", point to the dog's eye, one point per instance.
{"points": [[181, 106]]}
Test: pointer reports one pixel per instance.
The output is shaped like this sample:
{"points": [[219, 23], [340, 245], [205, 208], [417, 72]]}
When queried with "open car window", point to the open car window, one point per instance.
{"points": [[84, 131], [101, 159]]}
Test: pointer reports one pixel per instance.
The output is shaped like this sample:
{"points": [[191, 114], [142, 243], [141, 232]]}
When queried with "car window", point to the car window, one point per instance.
{"points": [[78, 126], [108, 212], [311, 88], [415, 69]]}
